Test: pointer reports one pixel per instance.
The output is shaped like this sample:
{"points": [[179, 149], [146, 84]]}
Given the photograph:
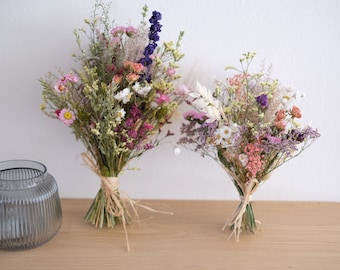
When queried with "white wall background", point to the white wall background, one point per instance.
{"points": [[300, 38]]}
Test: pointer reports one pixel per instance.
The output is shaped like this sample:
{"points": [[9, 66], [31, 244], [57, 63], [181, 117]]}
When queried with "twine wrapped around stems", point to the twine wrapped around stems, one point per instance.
{"points": [[115, 205], [235, 223]]}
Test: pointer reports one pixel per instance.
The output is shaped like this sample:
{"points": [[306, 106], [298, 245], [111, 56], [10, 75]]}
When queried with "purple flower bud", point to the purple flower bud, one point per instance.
{"points": [[156, 16], [154, 36], [262, 100], [149, 49], [156, 27]]}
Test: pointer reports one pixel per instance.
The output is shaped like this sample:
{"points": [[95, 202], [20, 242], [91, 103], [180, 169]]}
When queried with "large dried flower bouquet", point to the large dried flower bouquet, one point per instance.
{"points": [[117, 101]]}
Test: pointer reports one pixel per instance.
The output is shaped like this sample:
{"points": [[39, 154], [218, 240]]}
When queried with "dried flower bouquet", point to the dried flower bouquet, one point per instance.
{"points": [[117, 102], [250, 127]]}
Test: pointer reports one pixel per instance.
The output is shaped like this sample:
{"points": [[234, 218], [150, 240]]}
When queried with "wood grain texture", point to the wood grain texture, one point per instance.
{"points": [[293, 235]]}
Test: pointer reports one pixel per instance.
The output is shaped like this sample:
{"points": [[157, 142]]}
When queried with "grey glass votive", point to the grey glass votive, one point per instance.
{"points": [[30, 209]]}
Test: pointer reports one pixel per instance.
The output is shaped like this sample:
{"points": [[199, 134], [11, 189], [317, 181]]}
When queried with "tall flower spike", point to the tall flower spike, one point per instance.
{"points": [[155, 27]]}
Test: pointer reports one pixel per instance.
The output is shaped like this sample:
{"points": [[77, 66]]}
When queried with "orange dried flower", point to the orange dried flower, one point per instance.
{"points": [[280, 115], [296, 112], [132, 77]]}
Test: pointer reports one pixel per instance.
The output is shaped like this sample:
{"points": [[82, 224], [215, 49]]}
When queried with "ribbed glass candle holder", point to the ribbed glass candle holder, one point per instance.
{"points": [[30, 209]]}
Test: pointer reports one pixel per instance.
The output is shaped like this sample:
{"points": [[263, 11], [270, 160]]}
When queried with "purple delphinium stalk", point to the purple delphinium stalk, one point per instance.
{"points": [[155, 28]]}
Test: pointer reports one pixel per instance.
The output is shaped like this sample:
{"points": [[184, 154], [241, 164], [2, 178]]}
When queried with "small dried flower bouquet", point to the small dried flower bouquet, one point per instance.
{"points": [[117, 101], [250, 127]]}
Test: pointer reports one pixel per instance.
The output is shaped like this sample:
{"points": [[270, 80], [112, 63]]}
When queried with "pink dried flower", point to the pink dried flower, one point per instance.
{"points": [[116, 40], [148, 146], [254, 163], [273, 140], [170, 71], [194, 115], [71, 78], [133, 133], [130, 31], [67, 116], [162, 98], [110, 67], [129, 122], [237, 81], [148, 126], [182, 90], [60, 87], [118, 31], [135, 112]]}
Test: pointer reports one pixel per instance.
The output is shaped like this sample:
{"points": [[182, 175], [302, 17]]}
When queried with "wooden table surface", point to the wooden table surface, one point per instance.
{"points": [[293, 235]]}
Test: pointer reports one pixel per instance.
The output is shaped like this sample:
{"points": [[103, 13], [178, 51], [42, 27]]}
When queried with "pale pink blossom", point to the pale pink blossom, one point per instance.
{"points": [[162, 98], [182, 90], [67, 116], [118, 31], [130, 31], [194, 115], [170, 71], [60, 87], [71, 78]]}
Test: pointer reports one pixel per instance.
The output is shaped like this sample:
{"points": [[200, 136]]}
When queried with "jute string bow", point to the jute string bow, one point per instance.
{"points": [[236, 220], [115, 205]]}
